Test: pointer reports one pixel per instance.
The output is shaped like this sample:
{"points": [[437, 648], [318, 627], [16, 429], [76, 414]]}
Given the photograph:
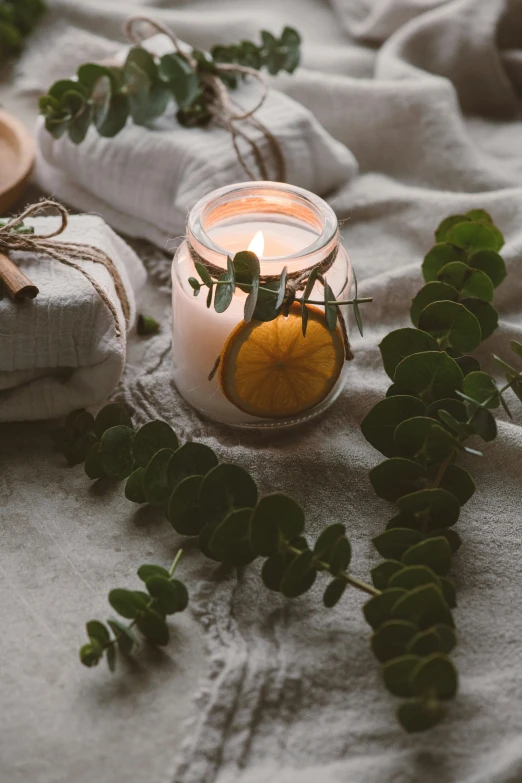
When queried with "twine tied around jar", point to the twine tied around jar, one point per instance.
{"points": [[68, 253], [224, 111]]}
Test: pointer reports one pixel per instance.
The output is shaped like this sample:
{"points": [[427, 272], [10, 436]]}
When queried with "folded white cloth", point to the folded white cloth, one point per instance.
{"points": [[60, 351], [144, 181]]}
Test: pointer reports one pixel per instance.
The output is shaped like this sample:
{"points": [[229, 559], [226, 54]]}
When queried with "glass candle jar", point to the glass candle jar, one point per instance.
{"points": [[287, 227]]}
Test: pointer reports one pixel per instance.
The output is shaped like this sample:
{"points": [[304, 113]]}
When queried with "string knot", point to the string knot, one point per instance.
{"points": [[68, 253]]}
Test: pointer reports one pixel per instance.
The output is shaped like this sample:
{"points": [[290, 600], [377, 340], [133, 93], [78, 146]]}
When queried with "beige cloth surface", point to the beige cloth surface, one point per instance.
{"points": [[427, 98]]}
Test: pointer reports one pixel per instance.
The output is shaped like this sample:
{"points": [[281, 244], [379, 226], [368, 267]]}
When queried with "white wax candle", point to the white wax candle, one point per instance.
{"points": [[199, 334]]}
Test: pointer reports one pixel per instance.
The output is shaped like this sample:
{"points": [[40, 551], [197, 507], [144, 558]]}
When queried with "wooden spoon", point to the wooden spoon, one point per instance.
{"points": [[17, 151]]}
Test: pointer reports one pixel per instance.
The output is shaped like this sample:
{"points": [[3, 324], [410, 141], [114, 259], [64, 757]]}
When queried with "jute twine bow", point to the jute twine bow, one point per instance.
{"points": [[67, 253], [295, 281], [224, 111]]}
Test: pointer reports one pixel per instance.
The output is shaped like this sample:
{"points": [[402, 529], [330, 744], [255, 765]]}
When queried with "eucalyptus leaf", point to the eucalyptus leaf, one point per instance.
{"points": [[378, 609], [391, 638], [453, 220], [435, 675], [153, 436], [397, 674], [153, 627], [468, 282], [432, 374], [115, 451], [277, 518], [230, 540], [225, 289], [334, 592], [437, 507], [472, 236], [111, 415], [410, 435], [491, 263], [382, 573], [299, 576], [396, 477], [424, 606], [183, 510], [485, 314], [156, 484], [400, 343], [452, 324], [440, 254], [481, 387], [134, 486], [226, 488], [392, 544], [380, 423], [432, 292], [417, 715], [433, 552]]}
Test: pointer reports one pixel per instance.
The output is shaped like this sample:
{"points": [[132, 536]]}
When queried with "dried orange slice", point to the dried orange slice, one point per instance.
{"points": [[269, 369]]}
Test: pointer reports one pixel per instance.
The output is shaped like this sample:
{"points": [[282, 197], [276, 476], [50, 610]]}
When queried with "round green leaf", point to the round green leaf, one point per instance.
{"points": [[170, 595], [183, 507], [468, 363], [451, 536], [299, 576], [424, 643], [90, 655], [433, 374], [97, 632], [226, 488], [437, 507], [147, 570], [125, 639], [468, 281], [491, 263], [397, 673], [485, 314], [93, 467], [436, 258], [447, 638], [410, 436], [110, 416], [448, 591], [418, 715], [432, 292], [153, 627], [230, 541], [180, 77], [379, 425], [483, 424], [134, 486], [396, 477], [275, 516], [391, 639], [115, 451], [433, 552], [452, 324], [404, 342], [392, 544], [378, 609], [127, 602], [334, 592], [424, 606], [447, 223], [472, 236], [383, 572], [192, 459], [152, 437], [455, 407], [274, 568], [480, 215], [414, 576], [481, 387], [80, 447], [435, 675], [156, 485], [455, 480]]}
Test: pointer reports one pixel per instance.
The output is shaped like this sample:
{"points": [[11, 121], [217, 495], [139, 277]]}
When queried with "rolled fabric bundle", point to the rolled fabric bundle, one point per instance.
{"points": [[66, 348], [144, 181]]}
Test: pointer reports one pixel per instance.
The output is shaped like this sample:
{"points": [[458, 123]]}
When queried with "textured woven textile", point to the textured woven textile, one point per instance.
{"points": [[426, 96], [60, 351], [151, 178]]}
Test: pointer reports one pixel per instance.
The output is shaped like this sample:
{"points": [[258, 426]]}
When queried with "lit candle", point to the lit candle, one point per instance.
{"points": [[285, 227]]}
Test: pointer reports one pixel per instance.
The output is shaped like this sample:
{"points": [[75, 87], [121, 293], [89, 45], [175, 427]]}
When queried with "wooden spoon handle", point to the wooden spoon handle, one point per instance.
{"points": [[18, 286]]}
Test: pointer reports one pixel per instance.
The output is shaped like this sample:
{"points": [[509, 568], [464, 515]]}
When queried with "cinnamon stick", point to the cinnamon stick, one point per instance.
{"points": [[18, 286]]}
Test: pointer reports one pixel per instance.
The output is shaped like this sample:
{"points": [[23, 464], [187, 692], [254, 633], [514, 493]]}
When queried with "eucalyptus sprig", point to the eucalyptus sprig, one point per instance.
{"points": [[422, 433], [142, 89], [265, 301], [439, 399], [147, 612], [17, 19]]}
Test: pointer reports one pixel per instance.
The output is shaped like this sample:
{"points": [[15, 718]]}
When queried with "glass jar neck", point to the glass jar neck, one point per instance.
{"points": [[304, 227]]}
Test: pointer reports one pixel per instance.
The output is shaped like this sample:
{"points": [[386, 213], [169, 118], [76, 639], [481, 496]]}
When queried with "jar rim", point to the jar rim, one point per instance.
{"points": [[252, 194]]}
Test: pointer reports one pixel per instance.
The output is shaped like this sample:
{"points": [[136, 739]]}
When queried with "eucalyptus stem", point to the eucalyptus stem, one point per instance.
{"points": [[351, 580]]}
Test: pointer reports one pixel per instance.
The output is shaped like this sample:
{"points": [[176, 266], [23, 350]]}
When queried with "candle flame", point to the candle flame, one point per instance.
{"points": [[257, 245]]}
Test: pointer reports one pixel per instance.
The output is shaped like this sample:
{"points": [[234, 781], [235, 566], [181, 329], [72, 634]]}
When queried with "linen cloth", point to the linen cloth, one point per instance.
{"points": [[151, 178], [426, 95], [60, 351]]}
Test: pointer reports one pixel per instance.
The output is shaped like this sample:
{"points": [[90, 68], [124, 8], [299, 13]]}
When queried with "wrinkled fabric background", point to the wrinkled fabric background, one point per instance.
{"points": [[427, 96]]}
